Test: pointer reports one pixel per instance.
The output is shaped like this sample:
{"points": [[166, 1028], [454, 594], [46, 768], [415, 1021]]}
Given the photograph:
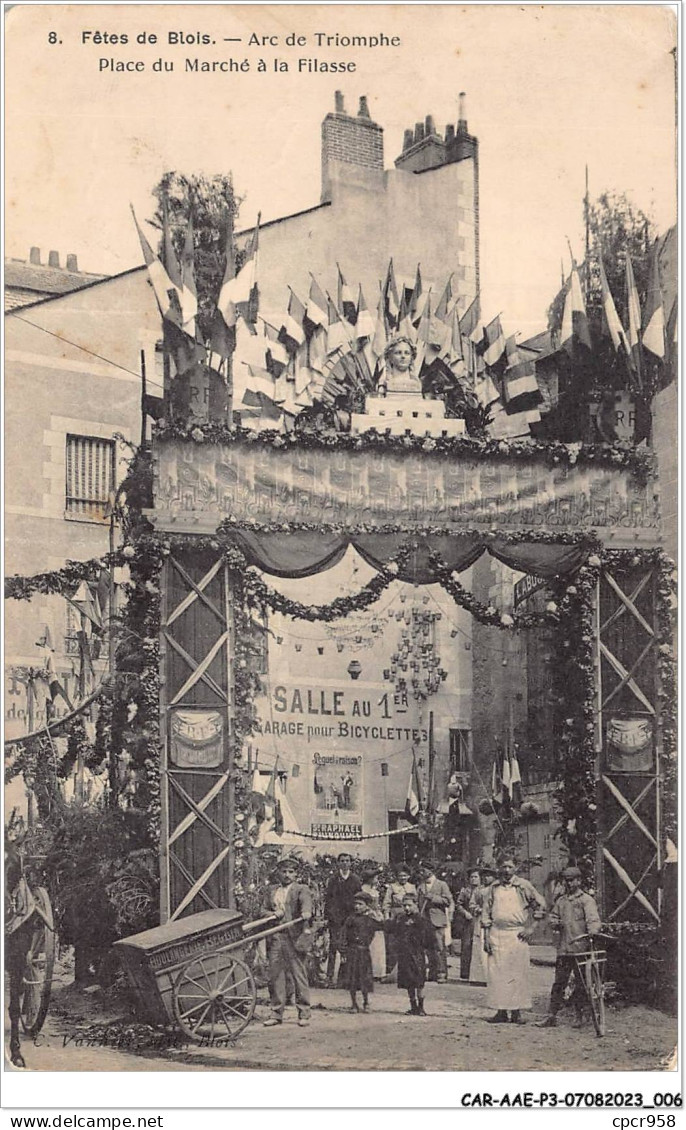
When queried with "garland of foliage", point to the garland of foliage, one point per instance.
{"points": [[639, 461], [129, 721], [260, 595], [485, 613], [60, 582], [573, 670]]}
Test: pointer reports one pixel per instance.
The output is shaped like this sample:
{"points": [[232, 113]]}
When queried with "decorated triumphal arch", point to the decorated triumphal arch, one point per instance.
{"points": [[233, 508]]}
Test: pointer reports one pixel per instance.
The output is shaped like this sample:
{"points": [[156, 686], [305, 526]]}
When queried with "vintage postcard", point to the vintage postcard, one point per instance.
{"points": [[341, 535]]}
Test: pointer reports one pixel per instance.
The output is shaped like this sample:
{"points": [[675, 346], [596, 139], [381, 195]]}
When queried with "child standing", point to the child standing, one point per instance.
{"points": [[358, 931], [415, 938]]}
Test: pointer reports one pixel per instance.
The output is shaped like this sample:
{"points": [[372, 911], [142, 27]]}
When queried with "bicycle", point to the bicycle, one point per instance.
{"points": [[590, 972]]}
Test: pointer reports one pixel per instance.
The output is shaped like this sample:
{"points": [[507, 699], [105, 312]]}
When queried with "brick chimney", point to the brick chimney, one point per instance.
{"points": [[352, 149], [423, 148], [463, 144]]}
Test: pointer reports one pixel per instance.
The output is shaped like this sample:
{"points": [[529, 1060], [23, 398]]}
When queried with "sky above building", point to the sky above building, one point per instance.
{"points": [[550, 89]]}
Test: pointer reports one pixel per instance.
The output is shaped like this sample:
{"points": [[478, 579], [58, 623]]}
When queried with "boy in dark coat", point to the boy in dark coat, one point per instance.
{"points": [[356, 936], [415, 939]]}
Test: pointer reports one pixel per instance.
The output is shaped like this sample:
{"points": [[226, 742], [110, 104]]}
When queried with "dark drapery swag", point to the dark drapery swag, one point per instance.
{"points": [[302, 553]]}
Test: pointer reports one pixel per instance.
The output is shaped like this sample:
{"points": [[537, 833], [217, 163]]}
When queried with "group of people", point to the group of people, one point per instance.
{"points": [[406, 931], [434, 903]]}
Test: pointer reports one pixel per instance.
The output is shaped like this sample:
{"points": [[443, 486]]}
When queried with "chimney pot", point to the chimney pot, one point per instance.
{"points": [[408, 140], [363, 111], [340, 104], [54, 259], [449, 133], [462, 112], [418, 131], [72, 263], [429, 125], [34, 256]]}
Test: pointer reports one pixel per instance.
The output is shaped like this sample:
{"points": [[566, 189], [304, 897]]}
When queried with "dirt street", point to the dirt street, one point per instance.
{"points": [[453, 1037]]}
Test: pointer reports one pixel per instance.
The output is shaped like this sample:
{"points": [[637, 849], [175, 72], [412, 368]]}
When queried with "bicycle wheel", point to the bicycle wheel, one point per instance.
{"points": [[40, 962], [596, 996]]}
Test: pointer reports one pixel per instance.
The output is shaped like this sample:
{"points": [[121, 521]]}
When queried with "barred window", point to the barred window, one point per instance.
{"points": [[90, 476]]}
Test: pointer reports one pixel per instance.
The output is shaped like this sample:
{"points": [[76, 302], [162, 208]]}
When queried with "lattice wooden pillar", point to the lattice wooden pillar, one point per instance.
{"points": [[197, 720], [628, 742]]}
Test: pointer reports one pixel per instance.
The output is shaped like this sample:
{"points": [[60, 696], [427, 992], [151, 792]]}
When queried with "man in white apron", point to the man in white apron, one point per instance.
{"points": [[509, 904]]}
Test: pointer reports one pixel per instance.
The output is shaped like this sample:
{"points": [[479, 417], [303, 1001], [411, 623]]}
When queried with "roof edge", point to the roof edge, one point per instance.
{"points": [[76, 290]]}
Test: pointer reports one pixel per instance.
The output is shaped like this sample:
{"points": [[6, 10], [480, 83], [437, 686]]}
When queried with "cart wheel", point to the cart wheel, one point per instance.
{"points": [[40, 962], [596, 996], [214, 997]]}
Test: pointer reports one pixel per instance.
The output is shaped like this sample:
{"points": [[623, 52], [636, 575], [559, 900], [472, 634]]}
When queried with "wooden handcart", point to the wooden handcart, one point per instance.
{"points": [[193, 972]]}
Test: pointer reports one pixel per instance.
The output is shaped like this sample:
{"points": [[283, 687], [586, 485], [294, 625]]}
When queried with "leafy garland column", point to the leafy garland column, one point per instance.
{"points": [[574, 691]]}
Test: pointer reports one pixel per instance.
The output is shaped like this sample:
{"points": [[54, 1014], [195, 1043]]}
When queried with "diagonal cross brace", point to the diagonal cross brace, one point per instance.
{"points": [[191, 817], [629, 884], [634, 805], [627, 603], [199, 812], [626, 676], [644, 875], [199, 671], [197, 591], [190, 880], [629, 810], [199, 884]]}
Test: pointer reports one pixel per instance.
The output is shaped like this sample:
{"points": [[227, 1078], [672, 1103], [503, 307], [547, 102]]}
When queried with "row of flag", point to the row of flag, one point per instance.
{"points": [[648, 338], [418, 803], [322, 346], [275, 365], [506, 780]]}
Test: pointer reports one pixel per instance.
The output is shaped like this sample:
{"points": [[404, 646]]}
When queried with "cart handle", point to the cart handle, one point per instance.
{"points": [[265, 933], [258, 922]]}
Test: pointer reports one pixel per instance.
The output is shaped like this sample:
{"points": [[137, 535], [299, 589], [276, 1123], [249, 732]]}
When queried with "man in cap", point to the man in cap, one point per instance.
{"points": [[289, 901], [575, 913], [436, 904]]}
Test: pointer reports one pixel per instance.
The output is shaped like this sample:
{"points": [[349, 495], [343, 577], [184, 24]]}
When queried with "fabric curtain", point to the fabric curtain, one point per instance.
{"points": [[300, 553], [303, 553], [457, 551], [543, 559]]}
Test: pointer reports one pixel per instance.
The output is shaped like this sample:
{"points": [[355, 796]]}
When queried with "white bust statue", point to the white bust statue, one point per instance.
{"points": [[399, 355]]}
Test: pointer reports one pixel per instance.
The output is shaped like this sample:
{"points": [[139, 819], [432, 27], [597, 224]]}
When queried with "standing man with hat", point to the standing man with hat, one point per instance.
{"points": [[436, 904], [574, 913], [289, 901], [338, 906]]}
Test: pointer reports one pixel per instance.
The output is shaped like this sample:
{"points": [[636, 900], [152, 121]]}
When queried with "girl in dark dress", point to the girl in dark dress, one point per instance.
{"points": [[414, 937], [358, 931]]}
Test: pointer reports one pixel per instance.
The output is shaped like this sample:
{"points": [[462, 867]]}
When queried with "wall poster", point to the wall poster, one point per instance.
{"points": [[337, 796]]}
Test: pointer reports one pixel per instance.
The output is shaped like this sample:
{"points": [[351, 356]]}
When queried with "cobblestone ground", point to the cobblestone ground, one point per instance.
{"points": [[453, 1037]]}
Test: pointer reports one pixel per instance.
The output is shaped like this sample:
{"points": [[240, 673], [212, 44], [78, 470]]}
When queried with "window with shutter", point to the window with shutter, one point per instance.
{"points": [[90, 477]]}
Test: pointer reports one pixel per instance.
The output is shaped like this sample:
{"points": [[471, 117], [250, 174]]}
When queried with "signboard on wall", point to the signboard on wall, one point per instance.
{"points": [[196, 739], [526, 587], [337, 796], [629, 745]]}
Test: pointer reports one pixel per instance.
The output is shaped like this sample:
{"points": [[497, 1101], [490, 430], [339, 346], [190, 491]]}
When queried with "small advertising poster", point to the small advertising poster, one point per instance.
{"points": [[337, 801]]}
